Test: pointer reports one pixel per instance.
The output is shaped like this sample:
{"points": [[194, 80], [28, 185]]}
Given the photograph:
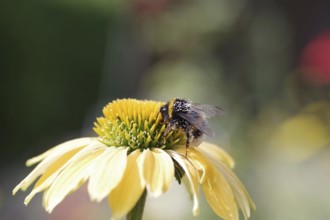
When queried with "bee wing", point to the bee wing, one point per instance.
{"points": [[208, 110], [196, 119]]}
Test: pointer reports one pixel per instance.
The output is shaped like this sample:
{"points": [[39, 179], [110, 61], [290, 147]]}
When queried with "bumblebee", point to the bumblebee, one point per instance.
{"points": [[190, 117]]}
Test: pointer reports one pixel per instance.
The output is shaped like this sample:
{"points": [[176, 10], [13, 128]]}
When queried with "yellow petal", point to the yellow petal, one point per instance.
{"points": [[57, 165], [70, 179], [217, 190], [123, 198], [49, 158], [199, 165], [216, 153], [60, 148], [49, 176], [242, 197], [192, 177], [220, 197], [108, 172], [52, 171], [157, 169]]}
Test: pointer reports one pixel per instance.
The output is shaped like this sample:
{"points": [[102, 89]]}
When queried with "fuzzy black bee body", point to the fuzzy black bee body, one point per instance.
{"points": [[192, 118]]}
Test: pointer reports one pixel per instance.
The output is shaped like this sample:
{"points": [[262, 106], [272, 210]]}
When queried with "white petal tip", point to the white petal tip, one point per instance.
{"points": [[28, 198], [27, 201], [196, 211], [33, 161], [49, 208], [95, 195], [96, 198], [15, 190], [155, 194], [29, 163]]}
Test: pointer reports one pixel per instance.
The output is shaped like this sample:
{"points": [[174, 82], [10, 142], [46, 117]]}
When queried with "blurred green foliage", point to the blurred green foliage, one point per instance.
{"points": [[51, 59]]}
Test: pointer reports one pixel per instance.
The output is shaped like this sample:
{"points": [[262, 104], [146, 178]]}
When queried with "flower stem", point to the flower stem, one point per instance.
{"points": [[137, 212]]}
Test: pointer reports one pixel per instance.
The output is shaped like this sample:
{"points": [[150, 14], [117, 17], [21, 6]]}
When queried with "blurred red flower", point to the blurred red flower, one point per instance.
{"points": [[315, 60]]}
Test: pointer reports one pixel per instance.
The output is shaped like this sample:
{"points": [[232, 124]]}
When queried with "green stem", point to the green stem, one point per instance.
{"points": [[137, 212]]}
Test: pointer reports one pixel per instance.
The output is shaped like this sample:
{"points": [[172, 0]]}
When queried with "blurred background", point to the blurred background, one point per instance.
{"points": [[267, 63]]}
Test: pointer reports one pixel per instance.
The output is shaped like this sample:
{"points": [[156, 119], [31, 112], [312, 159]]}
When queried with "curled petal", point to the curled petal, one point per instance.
{"points": [[192, 177], [242, 197], [220, 197], [108, 172], [216, 153], [123, 198], [157, 169], [216, 188], [198, 165]]}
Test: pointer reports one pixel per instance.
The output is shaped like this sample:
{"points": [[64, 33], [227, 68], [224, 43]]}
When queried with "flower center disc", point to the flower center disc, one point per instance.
{"points": [[137, 124]]}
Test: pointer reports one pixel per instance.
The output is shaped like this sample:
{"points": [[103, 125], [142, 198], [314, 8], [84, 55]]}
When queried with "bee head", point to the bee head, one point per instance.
{"points": [[164, 111]]}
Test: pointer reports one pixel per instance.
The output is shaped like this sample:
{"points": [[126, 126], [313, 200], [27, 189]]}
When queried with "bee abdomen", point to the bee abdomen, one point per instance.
{"points": [[189, 128]]}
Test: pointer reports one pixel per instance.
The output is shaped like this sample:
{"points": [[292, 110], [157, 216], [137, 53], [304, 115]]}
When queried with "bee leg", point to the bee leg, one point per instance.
{"points": [[170, 126], [167, 130], [189, 140]]}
